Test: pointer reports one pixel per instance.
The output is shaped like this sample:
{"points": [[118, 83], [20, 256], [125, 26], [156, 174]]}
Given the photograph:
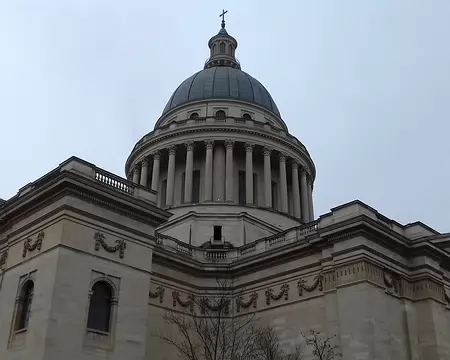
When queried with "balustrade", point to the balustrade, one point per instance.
{"points": [[229, 255]]}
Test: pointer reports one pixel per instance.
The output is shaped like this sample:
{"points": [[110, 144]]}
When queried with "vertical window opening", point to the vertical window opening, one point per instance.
{"points": [[183, 184], [217, 233], [255, 189], [24, 306], [100, 307], [242, 190], [163, 193], [274, 195], [196, 187]]}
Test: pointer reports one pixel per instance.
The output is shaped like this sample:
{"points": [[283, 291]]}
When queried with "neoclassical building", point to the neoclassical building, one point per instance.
{"points": [[90, 261]]}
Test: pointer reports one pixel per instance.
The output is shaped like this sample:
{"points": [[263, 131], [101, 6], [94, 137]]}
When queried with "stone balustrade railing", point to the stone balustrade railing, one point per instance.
{"points": [[106, 178], [250, 123], [114, 181], [230, 255]]}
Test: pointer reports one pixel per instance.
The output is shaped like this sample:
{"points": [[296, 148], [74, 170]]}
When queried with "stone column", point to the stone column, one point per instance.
{"points": [[144, 171], [304, 195], [310, 199], [219, 173], [229, 144], [249, 173], [209, 169], [267, 178], [170, 176], [136, 173], [155, 174], [189, 172], [283, 184], [296, 190]]}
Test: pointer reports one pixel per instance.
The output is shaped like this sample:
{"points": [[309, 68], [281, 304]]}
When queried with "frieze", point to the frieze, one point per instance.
{"points": [[100, 240], [183, 303], [221, 304], [318, 283], [253, 299], [28, 246], [284, 290], [159, 293]]}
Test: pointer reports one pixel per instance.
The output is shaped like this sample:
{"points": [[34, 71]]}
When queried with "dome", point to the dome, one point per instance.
{"points": [[222, 83]]}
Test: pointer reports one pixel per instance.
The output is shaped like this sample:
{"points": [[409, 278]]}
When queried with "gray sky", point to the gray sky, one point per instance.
{"points": [[365, 85]]}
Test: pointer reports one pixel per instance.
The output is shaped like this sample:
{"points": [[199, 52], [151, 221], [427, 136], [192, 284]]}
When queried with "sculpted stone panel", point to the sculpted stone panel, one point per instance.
{"points": [[28, 245]]}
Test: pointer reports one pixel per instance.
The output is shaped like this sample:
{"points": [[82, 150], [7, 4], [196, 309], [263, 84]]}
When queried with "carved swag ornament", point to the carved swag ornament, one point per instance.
{"points": [[100, 240], [222, 304], [159, 293], [189, 302], [284, 290], [28, 246], [318, 282], [251, 301]]}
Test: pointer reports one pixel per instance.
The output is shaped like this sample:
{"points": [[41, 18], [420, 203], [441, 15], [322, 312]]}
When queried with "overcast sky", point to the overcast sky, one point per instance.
{"points": [[365, 85]]}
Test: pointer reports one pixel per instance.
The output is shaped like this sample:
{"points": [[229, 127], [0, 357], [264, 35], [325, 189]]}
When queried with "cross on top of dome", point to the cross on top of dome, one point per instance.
{"points": [[223, 18], [222, 48]]}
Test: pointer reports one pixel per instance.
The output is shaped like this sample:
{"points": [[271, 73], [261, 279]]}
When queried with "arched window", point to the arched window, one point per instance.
{"points": [[230, 50], [222, 48], [24, 305], [246, 116], [220, 114], [99, 317], [193, 116], [214, 49]]}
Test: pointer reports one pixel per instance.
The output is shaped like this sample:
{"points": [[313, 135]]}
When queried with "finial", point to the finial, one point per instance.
{"points": [[223, 17]]}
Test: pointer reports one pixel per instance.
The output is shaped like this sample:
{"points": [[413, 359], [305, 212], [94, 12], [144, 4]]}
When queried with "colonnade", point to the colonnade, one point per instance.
{"points": [[219, 163]]}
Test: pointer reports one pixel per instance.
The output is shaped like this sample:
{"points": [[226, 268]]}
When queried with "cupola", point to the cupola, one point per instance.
{"points": [[222, 49]]}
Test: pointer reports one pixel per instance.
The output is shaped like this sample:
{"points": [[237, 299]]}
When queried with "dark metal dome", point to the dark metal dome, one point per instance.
{"points": [[222, 83]]}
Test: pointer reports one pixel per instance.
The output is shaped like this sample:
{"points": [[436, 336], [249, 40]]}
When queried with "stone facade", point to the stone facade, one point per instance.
{"points": [[213, 195]]}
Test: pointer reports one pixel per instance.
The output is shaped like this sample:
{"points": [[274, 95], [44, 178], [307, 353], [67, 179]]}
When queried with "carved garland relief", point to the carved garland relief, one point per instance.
{"points": [[120, 246], [29, 246], [284, 290], [159, 293], [253, 299], [318, 282]]}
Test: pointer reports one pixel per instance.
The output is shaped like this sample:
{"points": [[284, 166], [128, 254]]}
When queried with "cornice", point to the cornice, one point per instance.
{"points": [[68, 183], [218, 128]]}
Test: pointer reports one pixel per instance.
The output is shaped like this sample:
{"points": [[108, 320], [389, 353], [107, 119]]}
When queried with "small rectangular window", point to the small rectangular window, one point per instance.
{"points": [[217, 233]]}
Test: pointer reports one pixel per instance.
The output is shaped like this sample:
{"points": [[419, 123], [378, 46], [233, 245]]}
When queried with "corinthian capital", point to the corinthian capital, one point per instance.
{"points": [[209, 143], [136, 168], [156, 155], [249, 146], [267, 151], [145, 162], [172, 149], [229, 144], [190, 146], [282, 157]]}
